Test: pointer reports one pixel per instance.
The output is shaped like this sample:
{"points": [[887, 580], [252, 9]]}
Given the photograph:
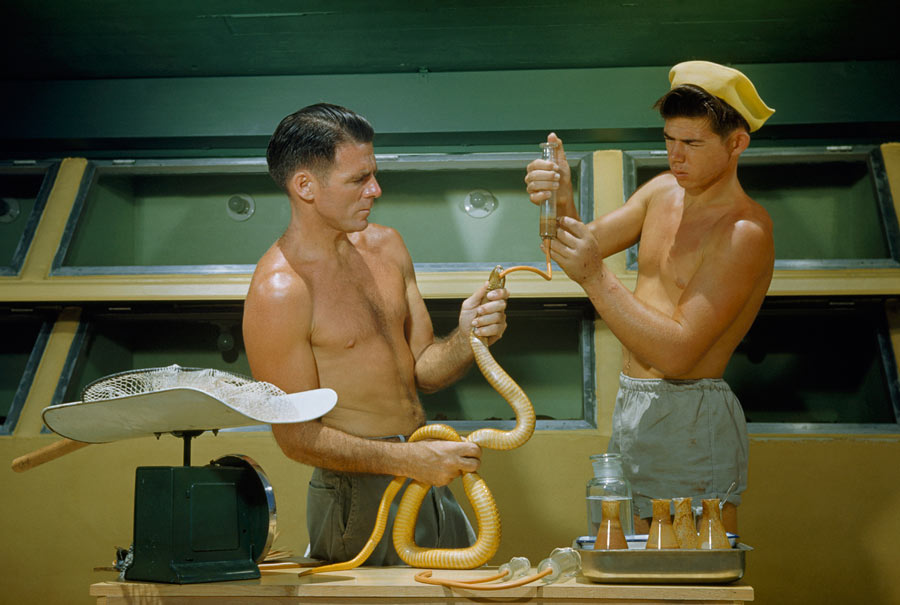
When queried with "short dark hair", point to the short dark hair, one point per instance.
{"points": [[690, 101], [309, 138]]}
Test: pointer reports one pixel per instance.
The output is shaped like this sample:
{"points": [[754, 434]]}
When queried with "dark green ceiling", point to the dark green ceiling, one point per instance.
{"points": [[88, 39]]}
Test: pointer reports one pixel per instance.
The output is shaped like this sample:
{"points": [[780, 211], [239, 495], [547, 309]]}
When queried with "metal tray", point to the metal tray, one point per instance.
{"points": [[663, 566]]}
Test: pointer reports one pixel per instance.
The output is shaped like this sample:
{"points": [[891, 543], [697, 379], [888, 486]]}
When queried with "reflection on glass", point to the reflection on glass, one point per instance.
{"points": [[9, 210], [479, 203], [240, 206]]}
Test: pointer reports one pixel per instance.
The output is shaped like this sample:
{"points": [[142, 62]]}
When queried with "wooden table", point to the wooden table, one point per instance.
{"points": [[387, 585]]}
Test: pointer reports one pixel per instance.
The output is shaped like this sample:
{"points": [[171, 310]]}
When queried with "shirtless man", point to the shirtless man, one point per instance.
{"points": [[334, 303], [705, 261]]}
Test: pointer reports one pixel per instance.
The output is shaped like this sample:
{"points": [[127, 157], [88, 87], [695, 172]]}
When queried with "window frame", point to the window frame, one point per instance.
{"points": [[870, 154]]}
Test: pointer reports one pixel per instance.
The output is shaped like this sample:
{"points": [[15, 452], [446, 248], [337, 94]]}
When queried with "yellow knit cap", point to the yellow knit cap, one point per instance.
{"points": [[728, 84]]}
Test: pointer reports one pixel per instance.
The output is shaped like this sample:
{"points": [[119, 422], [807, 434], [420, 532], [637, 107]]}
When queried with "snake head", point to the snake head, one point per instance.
{"points": [[495, 282]]}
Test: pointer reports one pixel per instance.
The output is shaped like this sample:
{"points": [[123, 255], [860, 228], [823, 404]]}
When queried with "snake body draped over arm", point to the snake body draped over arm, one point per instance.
{"points": [[480, 497]]}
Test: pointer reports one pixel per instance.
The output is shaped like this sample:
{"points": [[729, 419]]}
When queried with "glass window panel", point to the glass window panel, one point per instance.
{"points": [[817, 361], [825, 210], [191, 215], [543, 350], [827, 207], [146, 336], [173, 217], [440, 211], [21, 347], [23, 192]]}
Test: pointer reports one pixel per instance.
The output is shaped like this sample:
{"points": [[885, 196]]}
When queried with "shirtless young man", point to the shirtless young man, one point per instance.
{"points": [[705, 261], [334, 302]]}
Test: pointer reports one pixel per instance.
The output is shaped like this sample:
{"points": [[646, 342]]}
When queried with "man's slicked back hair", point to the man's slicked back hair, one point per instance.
{"points": [[309, 139]]}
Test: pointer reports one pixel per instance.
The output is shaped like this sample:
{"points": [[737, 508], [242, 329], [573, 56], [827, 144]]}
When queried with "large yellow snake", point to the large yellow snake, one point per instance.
{"points": [[488, 540]]}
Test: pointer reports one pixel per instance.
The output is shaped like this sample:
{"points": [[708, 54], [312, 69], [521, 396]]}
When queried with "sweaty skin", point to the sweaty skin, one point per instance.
{"points": [[705, 257], [334, 302]]}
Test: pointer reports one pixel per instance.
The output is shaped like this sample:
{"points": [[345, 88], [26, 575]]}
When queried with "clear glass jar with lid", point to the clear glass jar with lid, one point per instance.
{"points": [[608, 483]]}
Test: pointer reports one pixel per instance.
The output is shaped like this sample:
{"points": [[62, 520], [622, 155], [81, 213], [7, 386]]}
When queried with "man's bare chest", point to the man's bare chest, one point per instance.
{"points": [[672, 248], [352, 308]]}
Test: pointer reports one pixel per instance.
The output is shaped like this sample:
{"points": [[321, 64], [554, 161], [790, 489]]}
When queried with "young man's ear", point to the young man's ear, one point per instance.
{"points": [[303, 185], [738, 142]]}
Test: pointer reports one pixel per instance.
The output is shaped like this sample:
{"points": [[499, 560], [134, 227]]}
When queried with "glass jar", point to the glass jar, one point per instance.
{"points": [[608, 483]]}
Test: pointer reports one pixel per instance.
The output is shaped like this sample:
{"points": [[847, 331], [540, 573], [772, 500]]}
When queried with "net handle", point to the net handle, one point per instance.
{"points": [[46, 454]]}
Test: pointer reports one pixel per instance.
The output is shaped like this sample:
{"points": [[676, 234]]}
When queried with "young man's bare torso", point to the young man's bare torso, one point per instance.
{"points": [[677, 239], [704, 261]]}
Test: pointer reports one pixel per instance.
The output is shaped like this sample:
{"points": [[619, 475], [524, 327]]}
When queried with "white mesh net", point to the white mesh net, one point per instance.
{"points": [[232, 388]]}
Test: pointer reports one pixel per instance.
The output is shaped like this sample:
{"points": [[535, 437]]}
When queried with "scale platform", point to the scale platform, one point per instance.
{"points": [[192, 524]]}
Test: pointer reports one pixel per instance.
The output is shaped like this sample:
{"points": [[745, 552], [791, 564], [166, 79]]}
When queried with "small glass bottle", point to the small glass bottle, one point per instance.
{"points": [[548, 206], [608, 483]]}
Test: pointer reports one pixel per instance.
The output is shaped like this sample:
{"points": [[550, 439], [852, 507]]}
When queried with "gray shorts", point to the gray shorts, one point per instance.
{"points": [[680, 438], [341, 510]]}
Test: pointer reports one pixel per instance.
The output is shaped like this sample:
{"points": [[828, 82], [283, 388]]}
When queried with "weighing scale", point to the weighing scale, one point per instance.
{"points": [[191, 524]]}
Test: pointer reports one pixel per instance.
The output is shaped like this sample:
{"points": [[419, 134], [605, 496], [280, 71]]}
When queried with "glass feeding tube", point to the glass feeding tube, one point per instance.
{"points": [[548, 206]]}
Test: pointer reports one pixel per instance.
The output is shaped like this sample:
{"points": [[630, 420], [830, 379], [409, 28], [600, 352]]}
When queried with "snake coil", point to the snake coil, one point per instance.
{"points": [[480, 497]]}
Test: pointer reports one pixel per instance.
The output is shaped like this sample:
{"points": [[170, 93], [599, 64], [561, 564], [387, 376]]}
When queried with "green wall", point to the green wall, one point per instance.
{"points": [[823, 101]]}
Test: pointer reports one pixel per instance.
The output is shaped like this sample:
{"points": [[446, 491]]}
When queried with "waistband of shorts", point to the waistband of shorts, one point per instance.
{"points": [[663, 384]]}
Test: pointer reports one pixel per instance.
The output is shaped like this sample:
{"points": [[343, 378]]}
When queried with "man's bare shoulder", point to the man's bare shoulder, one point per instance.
{"points": [[662, 183], [663, 188], [756, 213], [277, 322], [751, 217], [276, 282], [379, 237], [747, 230], [385, 243]]}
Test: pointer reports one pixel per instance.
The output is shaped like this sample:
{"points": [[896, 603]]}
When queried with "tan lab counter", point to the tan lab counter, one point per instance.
{"points": [[396, 585]]}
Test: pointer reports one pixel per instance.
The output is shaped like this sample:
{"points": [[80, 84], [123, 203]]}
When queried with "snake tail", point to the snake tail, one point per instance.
{"points": [[380, 524]]}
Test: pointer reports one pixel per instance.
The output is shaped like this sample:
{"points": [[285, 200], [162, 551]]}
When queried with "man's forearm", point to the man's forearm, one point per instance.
{"points": [[315, 444], [444, 362], [656, 339], [431, 462]]}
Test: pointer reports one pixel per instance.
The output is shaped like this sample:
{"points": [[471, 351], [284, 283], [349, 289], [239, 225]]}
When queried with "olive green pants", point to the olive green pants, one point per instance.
{"points": [[341, 510]]}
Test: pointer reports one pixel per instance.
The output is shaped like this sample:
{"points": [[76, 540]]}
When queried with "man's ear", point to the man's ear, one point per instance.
{"points": [[738, 142], [303, 185]]}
